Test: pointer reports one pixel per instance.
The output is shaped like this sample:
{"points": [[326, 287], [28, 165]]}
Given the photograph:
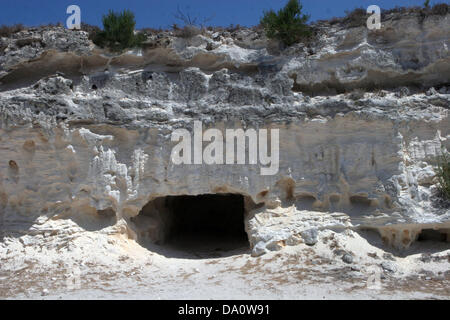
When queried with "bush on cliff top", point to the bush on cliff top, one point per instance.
{"points": [[7, 31], [355, 18], [118, 31], [440, 9], [287, 25]]}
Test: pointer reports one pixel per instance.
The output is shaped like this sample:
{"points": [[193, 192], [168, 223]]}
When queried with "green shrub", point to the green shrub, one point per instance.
{"points": [[139, 39], [118, 31], [287, 25], [443, 174]]}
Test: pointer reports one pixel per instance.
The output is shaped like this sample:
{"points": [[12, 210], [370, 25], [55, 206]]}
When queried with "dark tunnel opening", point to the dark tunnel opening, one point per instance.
{"points": [[432, 235], [201, 226]]}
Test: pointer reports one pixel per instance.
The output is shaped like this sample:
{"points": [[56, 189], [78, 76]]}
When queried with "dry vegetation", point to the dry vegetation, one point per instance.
{"points": [[191, 28], [7, 31], [358, 16], [187, 31]]}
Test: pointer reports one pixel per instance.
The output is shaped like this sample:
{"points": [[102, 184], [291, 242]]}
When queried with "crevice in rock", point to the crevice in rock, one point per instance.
{"points": [[362, 201], [361, 204], [305, 201]]}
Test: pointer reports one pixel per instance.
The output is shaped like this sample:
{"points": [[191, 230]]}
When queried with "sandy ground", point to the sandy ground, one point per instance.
{"points": [[115, 268]]}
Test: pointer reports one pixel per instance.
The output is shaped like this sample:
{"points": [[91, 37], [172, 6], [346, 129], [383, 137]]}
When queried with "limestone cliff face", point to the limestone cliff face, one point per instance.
{"points": [[86, 136]]}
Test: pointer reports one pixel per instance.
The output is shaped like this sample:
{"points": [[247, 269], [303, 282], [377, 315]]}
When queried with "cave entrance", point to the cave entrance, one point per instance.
{"points": [[432, 235], [208, 225]]}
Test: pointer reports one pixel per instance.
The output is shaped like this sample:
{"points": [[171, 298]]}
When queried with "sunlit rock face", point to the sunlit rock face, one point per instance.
{"points": [[408, 50], [86, 136]]}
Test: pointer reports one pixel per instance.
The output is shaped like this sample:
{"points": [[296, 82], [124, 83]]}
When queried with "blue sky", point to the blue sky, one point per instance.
{"points": [[160, 13]]}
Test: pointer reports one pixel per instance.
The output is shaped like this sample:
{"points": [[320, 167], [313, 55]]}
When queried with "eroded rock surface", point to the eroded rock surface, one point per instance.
{"points": [[85, 136]]}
